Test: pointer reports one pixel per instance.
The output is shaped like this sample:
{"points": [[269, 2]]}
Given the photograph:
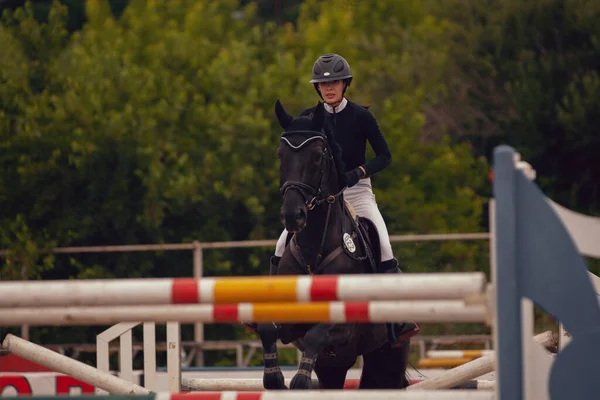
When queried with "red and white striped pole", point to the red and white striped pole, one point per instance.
{"points": [[336, 312], [231, 290]]}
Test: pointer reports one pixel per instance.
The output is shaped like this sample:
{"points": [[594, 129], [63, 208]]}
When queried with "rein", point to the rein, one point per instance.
{"points": [[316, 199]]}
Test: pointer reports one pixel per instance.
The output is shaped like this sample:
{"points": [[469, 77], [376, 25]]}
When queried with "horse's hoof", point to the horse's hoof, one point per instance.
{"points": [[300, 381], [274, 381]]}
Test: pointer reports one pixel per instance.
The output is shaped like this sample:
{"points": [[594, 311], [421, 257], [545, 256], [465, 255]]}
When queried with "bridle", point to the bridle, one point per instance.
{"points": [[312, 196]]}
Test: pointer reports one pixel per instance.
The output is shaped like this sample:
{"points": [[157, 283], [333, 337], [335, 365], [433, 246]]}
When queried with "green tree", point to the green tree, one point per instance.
{"points": [[526, 73], [157, 126], [397, 53]]}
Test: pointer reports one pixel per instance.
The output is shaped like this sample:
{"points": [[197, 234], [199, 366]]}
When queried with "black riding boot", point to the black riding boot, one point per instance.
{"points": [[398, 332], [274, 265]]}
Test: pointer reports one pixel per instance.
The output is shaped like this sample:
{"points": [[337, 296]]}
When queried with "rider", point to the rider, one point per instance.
{"points": [[353, 125]]}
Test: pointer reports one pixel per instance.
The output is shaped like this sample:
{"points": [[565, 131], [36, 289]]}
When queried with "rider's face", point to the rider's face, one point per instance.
{"points": [[332, 92]]}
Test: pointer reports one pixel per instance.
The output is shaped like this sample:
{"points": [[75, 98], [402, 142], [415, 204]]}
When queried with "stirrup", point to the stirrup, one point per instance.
{"points": [[406, 331]]}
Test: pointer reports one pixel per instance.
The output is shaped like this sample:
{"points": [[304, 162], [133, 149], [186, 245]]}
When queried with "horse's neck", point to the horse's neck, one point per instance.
{"points": [[311, 237]]}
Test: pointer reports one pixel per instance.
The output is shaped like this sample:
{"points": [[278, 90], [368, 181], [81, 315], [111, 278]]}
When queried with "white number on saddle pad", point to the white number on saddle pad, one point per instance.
{"points": [[349, 243]]}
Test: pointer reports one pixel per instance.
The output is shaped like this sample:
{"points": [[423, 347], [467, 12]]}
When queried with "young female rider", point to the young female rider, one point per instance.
{"points": [[354, 126]]}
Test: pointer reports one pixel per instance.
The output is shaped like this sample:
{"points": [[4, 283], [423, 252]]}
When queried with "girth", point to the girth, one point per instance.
{"points": [[295, 250]]}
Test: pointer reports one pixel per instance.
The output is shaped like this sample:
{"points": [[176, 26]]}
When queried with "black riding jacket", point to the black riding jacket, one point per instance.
{"points": [[353, 127]]}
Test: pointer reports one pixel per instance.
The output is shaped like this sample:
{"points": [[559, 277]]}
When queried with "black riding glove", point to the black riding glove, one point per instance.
{"points": [[352, 177]]}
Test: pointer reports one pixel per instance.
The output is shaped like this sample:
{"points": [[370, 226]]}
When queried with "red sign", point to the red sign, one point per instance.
{"points": [[65, 383], [32, 384], [19, 383]]}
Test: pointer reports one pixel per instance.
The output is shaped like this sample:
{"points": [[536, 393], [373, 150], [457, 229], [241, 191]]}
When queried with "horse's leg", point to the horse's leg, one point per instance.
{"points": [[385, 367], [272, 376], [331, 377], [315, 341]]}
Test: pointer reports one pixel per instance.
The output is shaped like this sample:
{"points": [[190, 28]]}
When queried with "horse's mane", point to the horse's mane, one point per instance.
{"points": [[304, 122]]}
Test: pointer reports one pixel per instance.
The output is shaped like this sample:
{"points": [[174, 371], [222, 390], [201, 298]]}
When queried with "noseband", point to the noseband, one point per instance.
{"points": [[312, 196]]}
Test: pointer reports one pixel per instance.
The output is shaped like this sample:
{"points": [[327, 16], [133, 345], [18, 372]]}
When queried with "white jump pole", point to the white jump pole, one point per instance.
{"points": [[443, 354], [65, 365], [242, 385], [231, 290], [473, 369], [337, 312], [334, 395]]}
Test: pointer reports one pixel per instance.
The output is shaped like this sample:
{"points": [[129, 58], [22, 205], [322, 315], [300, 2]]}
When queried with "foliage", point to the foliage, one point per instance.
{"points": [[152, 122], [528, 72]]}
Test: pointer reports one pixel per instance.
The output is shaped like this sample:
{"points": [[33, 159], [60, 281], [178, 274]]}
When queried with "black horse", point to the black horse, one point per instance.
{"points": [[325, 238]]}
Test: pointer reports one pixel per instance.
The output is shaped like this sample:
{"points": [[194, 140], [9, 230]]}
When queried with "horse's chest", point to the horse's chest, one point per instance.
{"points": [[305, 257]]}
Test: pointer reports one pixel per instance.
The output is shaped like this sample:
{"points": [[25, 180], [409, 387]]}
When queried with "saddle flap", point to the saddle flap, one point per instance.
{"points": [[371, 235]]}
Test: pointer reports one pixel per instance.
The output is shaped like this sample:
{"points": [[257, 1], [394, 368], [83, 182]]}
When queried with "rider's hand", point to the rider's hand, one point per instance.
{"points": [[352, 177]]}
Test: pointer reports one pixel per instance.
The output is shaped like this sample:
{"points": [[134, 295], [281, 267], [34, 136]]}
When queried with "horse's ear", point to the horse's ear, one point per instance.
{"points": [[284, 118], [318, 119]]}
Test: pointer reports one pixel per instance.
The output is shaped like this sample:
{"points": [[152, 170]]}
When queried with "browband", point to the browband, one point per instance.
{"points": [[310, 139]]}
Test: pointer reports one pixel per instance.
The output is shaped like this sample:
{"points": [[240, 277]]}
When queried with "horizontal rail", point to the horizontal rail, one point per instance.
{"points": [[435, 237], [293, 395], [242, 385], [232, 344], [336, 312], [442, 362], [337, 395], [230, 290], [244, 244], [444, 354]]}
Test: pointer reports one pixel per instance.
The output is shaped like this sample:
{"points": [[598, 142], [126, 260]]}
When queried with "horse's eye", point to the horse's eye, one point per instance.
{"points": [[318, 156]]}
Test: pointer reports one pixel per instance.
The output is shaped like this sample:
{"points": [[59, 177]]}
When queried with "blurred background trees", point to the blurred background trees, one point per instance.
{"points": [[136, 122]]}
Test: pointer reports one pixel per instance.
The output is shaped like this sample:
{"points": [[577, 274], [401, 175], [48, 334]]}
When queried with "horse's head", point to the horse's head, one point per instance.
{"points": [[307, 167]]}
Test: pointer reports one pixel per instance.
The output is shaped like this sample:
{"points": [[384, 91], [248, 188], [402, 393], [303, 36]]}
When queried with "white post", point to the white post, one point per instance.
{"points": [[492, 222], [68, 366], [126, 356], [198, 327], [25, 331], [174, 357], [102, 360], [102, 346], [531, 369], [150, 356]]}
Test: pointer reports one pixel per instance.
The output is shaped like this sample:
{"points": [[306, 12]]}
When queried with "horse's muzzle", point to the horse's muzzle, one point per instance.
{"points": [[294, 219]]}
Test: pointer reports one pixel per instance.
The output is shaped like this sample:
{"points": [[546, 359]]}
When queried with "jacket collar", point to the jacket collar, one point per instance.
{"points": [[338, 109]]}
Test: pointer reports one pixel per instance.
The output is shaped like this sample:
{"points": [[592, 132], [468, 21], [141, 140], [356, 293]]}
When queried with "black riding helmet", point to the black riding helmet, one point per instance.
{"points": [[331, 67]]}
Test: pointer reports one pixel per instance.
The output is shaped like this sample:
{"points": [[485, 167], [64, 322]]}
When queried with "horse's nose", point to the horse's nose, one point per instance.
{"points": [[295, 220], [300, 215]]}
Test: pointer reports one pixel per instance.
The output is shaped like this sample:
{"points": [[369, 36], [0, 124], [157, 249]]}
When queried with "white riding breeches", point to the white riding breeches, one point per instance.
{"points": [[362, 199]]}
